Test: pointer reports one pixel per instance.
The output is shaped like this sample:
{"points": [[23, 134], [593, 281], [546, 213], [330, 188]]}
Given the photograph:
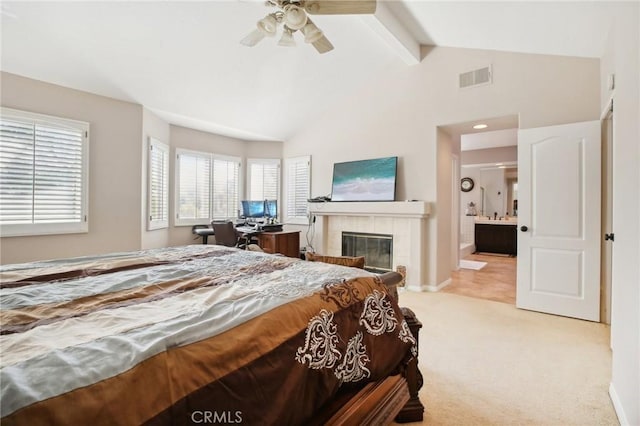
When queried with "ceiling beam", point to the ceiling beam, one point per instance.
{"points": [[394, 33]]}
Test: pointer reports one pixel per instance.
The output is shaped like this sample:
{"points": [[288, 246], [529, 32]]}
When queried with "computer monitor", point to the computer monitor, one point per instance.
{"points": [[271, 209], [252, 209]]}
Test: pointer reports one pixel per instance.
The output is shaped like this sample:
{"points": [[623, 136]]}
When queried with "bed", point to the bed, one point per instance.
{"points": [[203, 334]]}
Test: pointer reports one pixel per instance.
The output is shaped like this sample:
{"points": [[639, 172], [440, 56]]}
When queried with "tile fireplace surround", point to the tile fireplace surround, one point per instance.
{"points": [[405, 220]]}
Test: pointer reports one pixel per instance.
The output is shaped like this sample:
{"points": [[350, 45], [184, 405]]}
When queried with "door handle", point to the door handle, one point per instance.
{"points": [[524, 228]]}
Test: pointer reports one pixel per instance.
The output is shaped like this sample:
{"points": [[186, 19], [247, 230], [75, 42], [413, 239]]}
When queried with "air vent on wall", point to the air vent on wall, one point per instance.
{"points": [[475, 77]]}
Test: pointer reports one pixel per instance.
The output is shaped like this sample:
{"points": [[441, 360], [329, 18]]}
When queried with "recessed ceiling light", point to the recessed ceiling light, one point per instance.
{"points": [[480, 126]]}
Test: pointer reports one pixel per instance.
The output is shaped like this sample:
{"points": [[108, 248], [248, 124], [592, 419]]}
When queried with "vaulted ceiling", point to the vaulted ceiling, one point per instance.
{"points": [[183, 60]]}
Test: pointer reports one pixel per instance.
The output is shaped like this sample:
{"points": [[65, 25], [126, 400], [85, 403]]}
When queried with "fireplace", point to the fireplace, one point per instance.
{"points": [[377, 249], [405, 221]]}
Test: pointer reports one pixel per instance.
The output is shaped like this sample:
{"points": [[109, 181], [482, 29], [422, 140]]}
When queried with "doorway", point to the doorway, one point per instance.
{"points": [[486, 208], [485, 190]]}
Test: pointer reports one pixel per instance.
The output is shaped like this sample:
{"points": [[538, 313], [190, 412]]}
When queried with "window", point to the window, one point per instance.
{"points": [[298, 185], [263, 179], [158, 185], [44, 174], [226, 187], [207, 187]]}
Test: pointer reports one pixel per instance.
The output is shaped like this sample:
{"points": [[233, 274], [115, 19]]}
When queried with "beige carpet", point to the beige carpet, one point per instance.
{"points": [[489, 363]]}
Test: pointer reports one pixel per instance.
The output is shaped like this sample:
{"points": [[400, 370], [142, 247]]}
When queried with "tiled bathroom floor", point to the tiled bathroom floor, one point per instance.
{"points": [[496, 281]]}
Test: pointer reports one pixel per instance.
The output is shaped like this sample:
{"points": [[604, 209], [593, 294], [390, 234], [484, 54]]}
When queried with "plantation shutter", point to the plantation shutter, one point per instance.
{"points": [[194, 186], [17, 172], [42, 174], [264, 179], [226, 184], [298, 183], [158, 185], [57, 175]]}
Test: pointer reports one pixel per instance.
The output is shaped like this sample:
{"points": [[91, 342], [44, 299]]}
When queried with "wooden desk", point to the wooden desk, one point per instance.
{"points": [[284, 242]]}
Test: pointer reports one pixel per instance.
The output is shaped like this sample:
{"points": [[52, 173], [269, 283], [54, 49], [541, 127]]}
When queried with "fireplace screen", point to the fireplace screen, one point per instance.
{"points": [[377, 249]]}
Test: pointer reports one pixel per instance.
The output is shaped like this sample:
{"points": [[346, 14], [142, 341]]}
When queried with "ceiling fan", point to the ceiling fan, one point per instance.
{"points": [[293, 15]]}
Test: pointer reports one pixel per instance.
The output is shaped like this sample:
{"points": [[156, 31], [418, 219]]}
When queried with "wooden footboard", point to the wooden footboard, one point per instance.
{"points": [[378, 403], [413, 410], [381, 402]]}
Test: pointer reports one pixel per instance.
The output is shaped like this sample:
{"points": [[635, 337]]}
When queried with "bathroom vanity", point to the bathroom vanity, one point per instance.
{"points": [[496, 236]]}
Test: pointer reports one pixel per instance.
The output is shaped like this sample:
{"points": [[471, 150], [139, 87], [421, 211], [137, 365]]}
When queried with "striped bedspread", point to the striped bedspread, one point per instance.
{"points": [[189, 335]]}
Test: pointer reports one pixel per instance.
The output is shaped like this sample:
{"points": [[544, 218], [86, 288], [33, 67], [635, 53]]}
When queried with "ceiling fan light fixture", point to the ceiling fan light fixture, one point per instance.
{"points": [[268, 25], [311, 33], [253, 38], [287, 39], [294, 17]]}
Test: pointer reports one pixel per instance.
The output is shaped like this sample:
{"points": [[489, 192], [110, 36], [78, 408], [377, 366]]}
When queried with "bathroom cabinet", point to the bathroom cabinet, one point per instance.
{"points": [[500, 238]]}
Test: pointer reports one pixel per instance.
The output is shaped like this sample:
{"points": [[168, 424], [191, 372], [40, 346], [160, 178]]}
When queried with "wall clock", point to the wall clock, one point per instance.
{"points": [[466, 184]]}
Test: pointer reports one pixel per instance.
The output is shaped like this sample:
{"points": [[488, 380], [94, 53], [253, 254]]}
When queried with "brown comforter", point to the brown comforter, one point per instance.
{"points": [[190, 335]]}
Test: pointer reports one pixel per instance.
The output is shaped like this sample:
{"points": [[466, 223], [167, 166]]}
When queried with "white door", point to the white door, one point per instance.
{"points": [[559, 220]]}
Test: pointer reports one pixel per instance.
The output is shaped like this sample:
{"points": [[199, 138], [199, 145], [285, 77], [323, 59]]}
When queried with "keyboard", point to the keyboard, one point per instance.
{"points": [[247, 229]]}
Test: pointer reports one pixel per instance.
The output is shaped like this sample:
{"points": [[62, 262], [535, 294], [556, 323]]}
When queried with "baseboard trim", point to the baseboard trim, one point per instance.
{"points": [[417, 288], [617, 405], [434, 288], [426, 287]]}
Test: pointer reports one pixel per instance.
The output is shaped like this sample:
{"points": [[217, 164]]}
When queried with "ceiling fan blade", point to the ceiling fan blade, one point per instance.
{"points": [[253, 38], [339, 7], [323, 45]]}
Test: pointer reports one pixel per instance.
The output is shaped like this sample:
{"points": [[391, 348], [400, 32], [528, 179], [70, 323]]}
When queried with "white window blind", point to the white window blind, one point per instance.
{"points": [[158, 185], [263, 178], [207, 187], [298, 184], [226, 184], [43, 174], [193, 199]]}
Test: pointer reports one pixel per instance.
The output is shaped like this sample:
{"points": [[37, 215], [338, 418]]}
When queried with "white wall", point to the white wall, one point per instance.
{"points": [[622, 58], [491, 155], [475, 195], [399, 112], [114, 174], [119, 134], [442, 213]]}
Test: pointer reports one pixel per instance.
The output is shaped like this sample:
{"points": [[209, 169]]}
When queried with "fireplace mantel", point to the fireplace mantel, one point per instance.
{"points": [[407, 209], [406, 221]]}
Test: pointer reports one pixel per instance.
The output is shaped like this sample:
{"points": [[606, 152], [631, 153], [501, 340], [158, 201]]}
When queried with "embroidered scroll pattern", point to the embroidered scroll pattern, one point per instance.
{"points": [[319, 350], [353, 366], [406, 336], [378, 316], [342, 294], [405, 333]]}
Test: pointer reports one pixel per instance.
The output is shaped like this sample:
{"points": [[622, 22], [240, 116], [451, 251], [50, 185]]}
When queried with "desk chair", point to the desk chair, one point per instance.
{"points": [[226, 235]]}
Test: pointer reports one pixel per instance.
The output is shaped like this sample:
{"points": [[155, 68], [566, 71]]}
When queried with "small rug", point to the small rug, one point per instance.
{"points": [[472, 264]]}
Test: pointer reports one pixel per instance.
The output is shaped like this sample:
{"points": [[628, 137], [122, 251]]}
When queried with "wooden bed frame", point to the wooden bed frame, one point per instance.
{"points": [[381, 402]]}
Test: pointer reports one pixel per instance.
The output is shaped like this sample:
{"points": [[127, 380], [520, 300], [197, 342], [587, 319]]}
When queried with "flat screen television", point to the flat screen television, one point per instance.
{"points": [[365, 180]]}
